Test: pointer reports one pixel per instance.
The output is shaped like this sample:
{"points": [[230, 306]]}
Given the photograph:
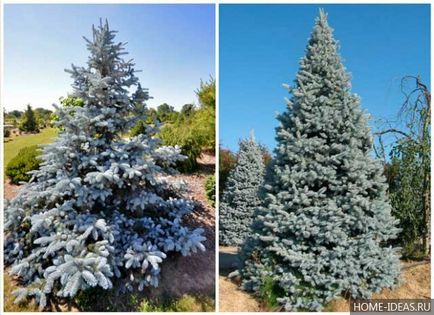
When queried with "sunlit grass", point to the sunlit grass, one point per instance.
{"points": [[14, 144]]}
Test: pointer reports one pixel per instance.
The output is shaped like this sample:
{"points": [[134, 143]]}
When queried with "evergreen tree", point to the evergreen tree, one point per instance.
{"points": [[100, 208], [240, 197], [28, 121], [326, 217]]}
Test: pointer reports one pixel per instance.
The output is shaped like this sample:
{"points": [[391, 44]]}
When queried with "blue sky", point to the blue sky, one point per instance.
{"points": [[173, 45], [260, 47]]}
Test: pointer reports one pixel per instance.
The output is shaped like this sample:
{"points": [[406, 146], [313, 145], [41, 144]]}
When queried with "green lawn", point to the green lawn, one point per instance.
{"points": [[13, 145]]}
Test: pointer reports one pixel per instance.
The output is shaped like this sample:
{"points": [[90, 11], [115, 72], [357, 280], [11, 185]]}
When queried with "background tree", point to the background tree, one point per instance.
{"points": [[43, 117], [15, 113], [227, 162], [195, 133], [12, 118], [166, 113], [325, 218], [28, 121], [408, 169], [100, 211], [240, 197], [187, 110], [206, 93]]}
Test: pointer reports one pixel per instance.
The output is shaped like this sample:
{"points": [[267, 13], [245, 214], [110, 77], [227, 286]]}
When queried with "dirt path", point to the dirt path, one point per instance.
{"points": [[231, 297], [193, 275], [415, 283]]}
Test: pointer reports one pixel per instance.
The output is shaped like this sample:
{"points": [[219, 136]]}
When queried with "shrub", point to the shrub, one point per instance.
{"points": [[6, 133], [227, 161], [138, 129], [193, 130], [25, 161], [210, 189]]}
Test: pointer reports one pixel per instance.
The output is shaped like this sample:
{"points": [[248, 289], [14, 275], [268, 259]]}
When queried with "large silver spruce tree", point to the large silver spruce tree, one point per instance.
{"points": [[325, 222], [101, 206]]}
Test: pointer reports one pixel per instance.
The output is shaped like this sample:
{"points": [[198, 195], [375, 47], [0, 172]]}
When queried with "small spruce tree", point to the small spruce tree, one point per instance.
{"points": [[326, 218], [28, 121], [100, 208], [240, 197]]}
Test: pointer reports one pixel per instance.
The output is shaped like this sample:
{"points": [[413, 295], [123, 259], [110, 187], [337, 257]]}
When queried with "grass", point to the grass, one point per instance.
{"points": [[186, 303], [9, 306], [101, 300], [14, 144], [270, 292]]}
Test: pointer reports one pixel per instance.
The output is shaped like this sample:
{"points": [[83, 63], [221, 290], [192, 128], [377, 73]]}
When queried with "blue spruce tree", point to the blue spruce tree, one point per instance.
{"points": [[100, 207], [240, 197], [326, 219]]}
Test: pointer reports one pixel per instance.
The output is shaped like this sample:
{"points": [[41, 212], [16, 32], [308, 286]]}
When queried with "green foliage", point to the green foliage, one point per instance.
{"points": [[6, 133], [138, 129], [28, 121], [187, 110], [210, 189], [15, 144], [186, 303], [227, 161], [166, 113], [194, 129], [408, 171], [15, 113], [206, 93], [43, 117], [406, 195], [183, 136], [12, 118], [71, 101], [269, 293], [25, 161]]}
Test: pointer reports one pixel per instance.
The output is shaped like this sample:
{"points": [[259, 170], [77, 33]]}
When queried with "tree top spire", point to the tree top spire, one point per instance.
{"points": [[252, 135]]}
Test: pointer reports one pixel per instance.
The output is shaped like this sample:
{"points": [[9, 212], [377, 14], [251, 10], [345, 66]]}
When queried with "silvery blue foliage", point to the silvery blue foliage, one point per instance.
{"points": [[240, 197], [101, 207], [326, 219]]}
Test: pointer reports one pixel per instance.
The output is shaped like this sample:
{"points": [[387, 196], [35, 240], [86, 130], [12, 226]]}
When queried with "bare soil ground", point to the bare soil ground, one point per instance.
{"points": [[415, 283], [192, 275], [10, 190], [231, 297]]}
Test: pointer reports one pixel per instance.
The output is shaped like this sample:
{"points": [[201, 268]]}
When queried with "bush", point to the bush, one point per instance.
{"points": [[6, 133], [210, 189], [25, 161], [194, 129], [138, 129], [227, 161]]}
